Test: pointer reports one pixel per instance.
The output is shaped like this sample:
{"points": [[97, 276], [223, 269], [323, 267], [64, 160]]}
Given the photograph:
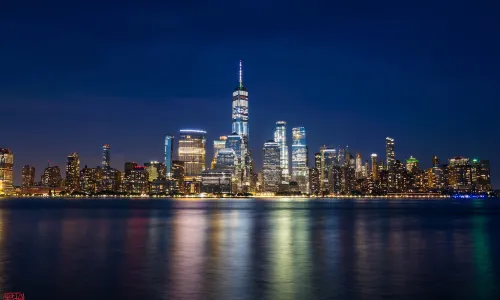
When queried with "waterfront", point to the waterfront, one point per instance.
{"points": [[250, 249]]}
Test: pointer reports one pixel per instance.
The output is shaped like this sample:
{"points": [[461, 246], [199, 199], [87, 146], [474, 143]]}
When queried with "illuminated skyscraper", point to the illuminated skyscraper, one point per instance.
{"points": [[218, 145], [374, 167], [460, 175], [389, 153], [51, 176], [90, 179], [155, 170], [240, 108], [192, 151], [317, 160], [435, 161], [169, 151], [73, 172], [299, 159], [28, 176], [226, 159], [328, 172], [359, 166], [280, 138], [412, 164], [6, 174], [271, 169], [105, 156]]}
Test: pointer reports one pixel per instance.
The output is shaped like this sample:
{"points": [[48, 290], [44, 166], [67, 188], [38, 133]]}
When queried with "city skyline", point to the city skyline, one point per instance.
{"points": [[362, 74], [284, 136]]}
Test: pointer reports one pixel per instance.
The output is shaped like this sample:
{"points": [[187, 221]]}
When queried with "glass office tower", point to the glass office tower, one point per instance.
{"points": [[240, 108], [280, 138], [389, 153], [299, 158], [271, 167], [169, 152], [192, 151], [105, 156]]}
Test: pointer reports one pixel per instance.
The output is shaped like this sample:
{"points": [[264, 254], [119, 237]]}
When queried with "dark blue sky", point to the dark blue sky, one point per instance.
{"points": [[74, 76]]}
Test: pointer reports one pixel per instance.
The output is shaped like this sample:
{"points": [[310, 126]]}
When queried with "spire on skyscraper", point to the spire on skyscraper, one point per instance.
{"points": [[241, 74]]}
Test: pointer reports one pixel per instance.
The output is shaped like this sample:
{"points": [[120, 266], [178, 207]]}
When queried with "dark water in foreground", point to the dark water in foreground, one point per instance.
{"points": [[250, 249]]}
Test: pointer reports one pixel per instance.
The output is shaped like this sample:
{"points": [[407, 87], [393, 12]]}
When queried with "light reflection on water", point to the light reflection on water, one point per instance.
{"points": [[250, 252]]}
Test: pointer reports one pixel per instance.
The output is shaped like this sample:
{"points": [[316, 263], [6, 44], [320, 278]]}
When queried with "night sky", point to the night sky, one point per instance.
{"points": [[74, 76]]}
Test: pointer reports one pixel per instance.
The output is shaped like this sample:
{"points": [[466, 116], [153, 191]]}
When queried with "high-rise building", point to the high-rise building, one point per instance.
{"points": [[314, 183], [129, 166], [51, 176], [412, 164], [6, 173], [178, 174], [226, 159], [169, 151], [280, 138], [28, 176], [329, 173], [218, 145], [192, 151], [240, 108], [299, 159], [359, 166], [105, 161], [317, 160], [435, 161], [73, 172], [374, 167], [389, 153], [137, 183], [271, 169], [90, 180], [481, 175], [155, 170], [460, 175]]}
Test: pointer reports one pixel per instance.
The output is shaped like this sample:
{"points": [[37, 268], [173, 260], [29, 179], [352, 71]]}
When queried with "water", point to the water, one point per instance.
{"points": [[250, 249]]}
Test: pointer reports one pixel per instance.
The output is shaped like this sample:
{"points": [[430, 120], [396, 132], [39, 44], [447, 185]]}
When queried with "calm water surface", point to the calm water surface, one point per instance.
{"points": [[250, 249]]}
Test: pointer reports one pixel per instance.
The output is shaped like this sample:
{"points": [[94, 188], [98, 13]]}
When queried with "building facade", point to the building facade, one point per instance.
{"points": [[28, 176], [271, 167], [169, 152], [6, 171], [389, 153], [300, 159], [280, 138], [192, 151], [72, 172]]}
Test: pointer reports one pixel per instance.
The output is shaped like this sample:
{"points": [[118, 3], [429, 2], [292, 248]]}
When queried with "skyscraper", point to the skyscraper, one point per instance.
{"points": [[412, 164], [329, 170], [192, 151], [218, 145], [73, 172], [280, 138], [169, 151], [6, 174], [389, 153], [374, 167], [226, 159], [299, 159], [105, 156], [28, 176], [51, 176], [271, 167], [359, 166], [240, 108]]}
